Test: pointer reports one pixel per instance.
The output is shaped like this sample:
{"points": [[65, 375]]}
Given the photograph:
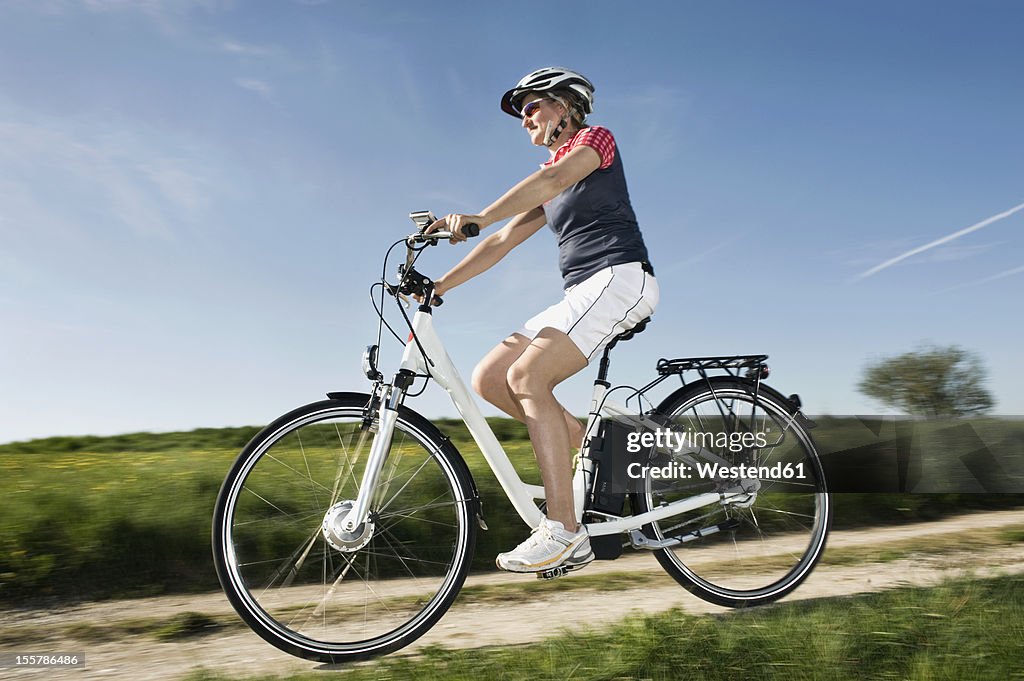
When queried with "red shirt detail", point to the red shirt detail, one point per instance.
{"points": [[598, 138]]}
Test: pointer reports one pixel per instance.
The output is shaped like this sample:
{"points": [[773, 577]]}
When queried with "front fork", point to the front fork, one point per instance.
{"points": [[391, 397]]}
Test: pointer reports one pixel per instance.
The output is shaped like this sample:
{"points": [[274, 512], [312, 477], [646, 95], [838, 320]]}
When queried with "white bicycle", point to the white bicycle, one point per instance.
{"points": [[345, 529]]}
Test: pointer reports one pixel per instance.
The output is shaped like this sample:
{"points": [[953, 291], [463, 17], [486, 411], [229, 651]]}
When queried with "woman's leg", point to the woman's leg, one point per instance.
{"points": [[490, 381], [548, 360]]}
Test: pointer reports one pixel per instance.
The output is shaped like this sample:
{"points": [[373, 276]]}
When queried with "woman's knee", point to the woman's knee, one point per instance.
{"points": [[488, 380], [525, 380], [489, 376]]}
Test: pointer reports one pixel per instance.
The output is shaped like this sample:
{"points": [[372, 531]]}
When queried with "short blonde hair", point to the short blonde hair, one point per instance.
{"points": [[570, 101]]}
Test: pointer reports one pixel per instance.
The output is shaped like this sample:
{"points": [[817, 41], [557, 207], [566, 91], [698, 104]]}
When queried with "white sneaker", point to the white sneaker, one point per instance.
{"points": [[550, 546]]}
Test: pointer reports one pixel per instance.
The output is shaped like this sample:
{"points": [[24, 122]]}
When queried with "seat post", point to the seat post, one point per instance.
{"points": [[602, 369], [602, 372]]}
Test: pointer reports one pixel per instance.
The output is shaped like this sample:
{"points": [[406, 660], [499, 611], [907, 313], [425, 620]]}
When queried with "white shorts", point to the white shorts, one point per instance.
{"points": [[599, 308]]}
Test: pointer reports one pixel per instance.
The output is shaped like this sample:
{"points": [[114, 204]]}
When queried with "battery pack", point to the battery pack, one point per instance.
{"points": [[611, 459]]}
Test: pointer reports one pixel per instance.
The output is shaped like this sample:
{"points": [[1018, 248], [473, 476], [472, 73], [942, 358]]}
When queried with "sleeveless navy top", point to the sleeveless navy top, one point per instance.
{"points": [[594, 223]]}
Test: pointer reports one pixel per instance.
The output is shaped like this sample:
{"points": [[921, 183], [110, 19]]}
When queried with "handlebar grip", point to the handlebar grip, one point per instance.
{"points": [[471, 229]]}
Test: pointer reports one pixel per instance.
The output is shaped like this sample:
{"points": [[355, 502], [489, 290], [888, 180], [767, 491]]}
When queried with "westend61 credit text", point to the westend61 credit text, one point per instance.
{"points": [[691, 441], [715, 471]]}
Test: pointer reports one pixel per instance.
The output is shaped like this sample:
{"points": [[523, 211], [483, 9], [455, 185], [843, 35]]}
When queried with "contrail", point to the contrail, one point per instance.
{"points": [[938, 242], [994, 277]]}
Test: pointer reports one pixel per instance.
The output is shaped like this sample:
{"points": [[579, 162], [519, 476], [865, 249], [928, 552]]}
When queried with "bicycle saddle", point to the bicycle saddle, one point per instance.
{"points": [[629, 333]]}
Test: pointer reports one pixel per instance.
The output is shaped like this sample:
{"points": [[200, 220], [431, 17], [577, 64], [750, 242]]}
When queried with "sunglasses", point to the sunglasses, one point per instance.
{"points": [[532, 107]]}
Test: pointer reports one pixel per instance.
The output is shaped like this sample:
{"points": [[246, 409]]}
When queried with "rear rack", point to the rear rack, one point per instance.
{"points": [[756, 363]]}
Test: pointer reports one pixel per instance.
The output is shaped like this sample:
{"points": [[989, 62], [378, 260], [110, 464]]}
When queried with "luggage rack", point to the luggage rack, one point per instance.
{"points": [[754, 364]]}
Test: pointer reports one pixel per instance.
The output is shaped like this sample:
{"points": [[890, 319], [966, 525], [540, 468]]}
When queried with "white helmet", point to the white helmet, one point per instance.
{"points": [[547, 80]]}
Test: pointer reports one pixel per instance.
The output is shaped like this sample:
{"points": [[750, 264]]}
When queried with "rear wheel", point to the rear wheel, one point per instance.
{"points": [[764, 536], [312, 589]]}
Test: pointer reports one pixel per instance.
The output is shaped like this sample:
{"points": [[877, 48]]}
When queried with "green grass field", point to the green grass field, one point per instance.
{"points": [[90, 517]]}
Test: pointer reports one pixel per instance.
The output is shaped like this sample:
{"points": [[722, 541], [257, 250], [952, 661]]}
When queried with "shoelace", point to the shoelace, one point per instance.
{"points": [[541, 533], [544, 530]]}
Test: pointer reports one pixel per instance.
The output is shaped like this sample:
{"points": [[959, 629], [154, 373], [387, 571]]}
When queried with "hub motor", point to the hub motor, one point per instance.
{"points": [[338, 537]]}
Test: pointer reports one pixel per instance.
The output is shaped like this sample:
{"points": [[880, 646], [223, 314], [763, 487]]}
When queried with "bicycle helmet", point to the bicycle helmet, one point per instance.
{"points": [[547, 80]]}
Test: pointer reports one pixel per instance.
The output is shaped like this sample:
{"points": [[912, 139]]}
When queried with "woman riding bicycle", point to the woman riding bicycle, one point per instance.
{"points": [[580, 192]]}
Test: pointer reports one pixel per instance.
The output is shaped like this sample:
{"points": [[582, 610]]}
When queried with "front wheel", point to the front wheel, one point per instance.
{"points": [[308, 587], [764, 536]]}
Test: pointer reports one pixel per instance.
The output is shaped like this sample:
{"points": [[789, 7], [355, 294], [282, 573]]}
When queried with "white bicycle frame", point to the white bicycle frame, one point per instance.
{"points": [[521, 494]]}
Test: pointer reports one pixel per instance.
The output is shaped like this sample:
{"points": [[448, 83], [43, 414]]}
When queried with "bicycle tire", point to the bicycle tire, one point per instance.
{"points": [[753, 551], [334, 598]]}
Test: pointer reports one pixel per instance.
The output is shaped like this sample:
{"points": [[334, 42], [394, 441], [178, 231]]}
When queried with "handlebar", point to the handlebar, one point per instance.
{"points": [[471, 229], [412, 282]]}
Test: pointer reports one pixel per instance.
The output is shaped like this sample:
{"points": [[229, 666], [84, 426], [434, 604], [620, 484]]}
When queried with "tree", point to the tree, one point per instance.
{"points": [[931, 381]]}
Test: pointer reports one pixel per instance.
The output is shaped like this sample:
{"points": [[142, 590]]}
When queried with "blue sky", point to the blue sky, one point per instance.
{"points": [[196, 195]]}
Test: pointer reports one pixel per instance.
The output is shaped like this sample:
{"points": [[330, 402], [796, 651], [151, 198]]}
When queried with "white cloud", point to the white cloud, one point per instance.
{"points": [[71, 183], [154, 7], [245, 49], [170, 16], [181, 187], [260, 87]]}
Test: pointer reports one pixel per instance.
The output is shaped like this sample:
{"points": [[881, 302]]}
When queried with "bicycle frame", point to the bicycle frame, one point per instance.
{"points": [[438, 365]]}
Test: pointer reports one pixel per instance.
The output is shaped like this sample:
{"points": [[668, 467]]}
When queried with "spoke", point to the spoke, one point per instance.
{"points": [[297, 471], [408, 512], [265, 561], [270, 503], [424, 561], [366, 601], [321, 607], [349, 566], [397, 554], [412, 477], [788, 483], [301, 561], [293, 520], [420, 520], [351, 467], [309, 474], [782, 512], [289, 566]]}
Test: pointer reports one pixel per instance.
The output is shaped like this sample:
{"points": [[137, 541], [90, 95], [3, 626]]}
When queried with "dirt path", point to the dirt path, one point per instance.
{"points": [[237, 651]]}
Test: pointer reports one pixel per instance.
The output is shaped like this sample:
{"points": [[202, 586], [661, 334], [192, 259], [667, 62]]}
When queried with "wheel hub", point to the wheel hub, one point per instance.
{"points": [[341, 539]]}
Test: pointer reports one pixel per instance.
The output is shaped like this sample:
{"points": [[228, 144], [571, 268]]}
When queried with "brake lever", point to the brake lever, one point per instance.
{"points": [[396, 292]]}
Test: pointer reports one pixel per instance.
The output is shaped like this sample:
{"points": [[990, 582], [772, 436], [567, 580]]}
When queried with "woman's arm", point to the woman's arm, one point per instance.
{"points": [[533, 191], [492, 248], [544, 185]]}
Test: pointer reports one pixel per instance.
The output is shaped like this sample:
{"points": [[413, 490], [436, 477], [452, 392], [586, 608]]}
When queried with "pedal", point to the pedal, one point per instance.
{"points": [[553, 573], [560, 571]]}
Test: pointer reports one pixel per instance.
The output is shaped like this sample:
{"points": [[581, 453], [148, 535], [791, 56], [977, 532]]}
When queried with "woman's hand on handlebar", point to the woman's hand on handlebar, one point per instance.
{"points": [[455, 223]]}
